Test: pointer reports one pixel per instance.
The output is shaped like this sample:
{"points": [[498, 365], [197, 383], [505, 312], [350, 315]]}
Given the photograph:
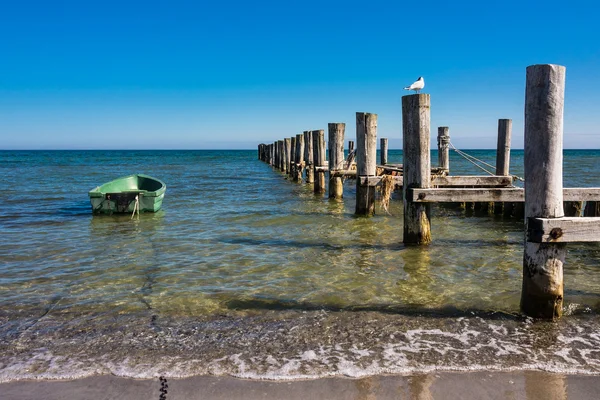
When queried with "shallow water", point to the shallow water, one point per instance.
{"points": [[246, 273]]}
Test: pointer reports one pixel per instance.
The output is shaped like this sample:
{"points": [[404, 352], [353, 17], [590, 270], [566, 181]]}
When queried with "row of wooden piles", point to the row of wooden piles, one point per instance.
{"points": [[546, 202]]}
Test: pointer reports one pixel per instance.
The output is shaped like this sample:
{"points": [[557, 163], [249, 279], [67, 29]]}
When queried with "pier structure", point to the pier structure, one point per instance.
{"points": [[552, 214]]}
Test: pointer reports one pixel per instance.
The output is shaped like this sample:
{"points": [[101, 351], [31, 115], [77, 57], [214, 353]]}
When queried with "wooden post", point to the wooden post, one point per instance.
{"points": [[336, 159], [272, 149], [417, 166], [281, 161], [299, 157], [308, 156], [503, 148], [319, 159], [383, 148], [350, 146], [542, 293], [366, 156], [286, 152], [443, 142], [292, 171], [503, 154]]}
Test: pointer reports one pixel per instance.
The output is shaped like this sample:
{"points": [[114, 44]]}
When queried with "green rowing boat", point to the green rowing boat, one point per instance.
{"points": [[128, 194]]}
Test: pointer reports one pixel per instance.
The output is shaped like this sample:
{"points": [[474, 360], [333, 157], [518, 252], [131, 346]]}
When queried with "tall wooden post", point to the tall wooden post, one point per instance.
{"points": [[503, 160], [299, 157], [292, 171], [336, 159], [503, 156], [281, 155], [503, 148], [417, 166], [366, 156], [272, 150], [286, 152], [350, 146], [319, 159], [542, 293], [383, 149], [308, 156], [443, 142]]}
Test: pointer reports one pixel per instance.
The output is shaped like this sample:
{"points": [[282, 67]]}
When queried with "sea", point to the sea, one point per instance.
{"points": [[245, 273]]}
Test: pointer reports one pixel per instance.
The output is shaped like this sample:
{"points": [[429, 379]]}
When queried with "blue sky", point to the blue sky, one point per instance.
{"points": [[229, 74]]}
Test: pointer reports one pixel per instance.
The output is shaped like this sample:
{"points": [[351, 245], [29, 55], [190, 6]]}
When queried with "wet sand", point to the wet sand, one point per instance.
{"points": [[527, 385]]}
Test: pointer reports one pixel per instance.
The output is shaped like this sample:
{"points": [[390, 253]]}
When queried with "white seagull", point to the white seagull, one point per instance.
{"points": [[417, 86]]}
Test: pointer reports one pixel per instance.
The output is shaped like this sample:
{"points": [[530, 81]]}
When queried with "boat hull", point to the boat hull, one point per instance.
{"points": [[125, 194]]}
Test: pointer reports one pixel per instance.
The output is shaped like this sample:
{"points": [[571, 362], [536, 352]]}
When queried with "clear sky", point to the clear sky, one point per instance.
{"points": [[232, 74]]}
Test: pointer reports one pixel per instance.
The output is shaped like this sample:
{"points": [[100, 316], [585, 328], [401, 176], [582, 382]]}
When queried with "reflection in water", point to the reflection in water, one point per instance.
{"points": [[420, 386], [366, 388], [545, 386], [415, 287]]}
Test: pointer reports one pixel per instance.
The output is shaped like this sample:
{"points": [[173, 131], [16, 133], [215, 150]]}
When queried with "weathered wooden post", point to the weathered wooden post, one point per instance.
{"points": [[383, 148], [350, 146], [542, 293], [503, 156], [319, 159], [417, 166], [336, 159], [281, 155], [308, 156], [272, 150], [292, 171], [503, 147], [443, 142], [286, 152], [299, 157], [366, 157]]}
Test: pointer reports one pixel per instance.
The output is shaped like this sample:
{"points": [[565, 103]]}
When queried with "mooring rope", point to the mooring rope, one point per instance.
{"points": [[473, 160]]}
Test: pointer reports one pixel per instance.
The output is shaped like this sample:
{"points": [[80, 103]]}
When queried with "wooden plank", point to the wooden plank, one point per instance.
{"points": [[563, 230], [517, 195], [581, 194], [459, 195], [463, 181], [376, 180], [343, 172], [468, 180]]}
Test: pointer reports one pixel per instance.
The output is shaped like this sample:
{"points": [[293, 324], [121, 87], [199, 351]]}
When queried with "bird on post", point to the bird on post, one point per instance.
{"points": [[417, 85]]}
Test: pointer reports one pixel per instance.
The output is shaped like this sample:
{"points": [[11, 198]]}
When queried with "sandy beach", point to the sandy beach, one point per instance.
{"points": [[528, 385]]}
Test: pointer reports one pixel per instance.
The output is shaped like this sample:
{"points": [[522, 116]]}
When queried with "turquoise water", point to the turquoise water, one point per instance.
{"points": [[246, 273]]}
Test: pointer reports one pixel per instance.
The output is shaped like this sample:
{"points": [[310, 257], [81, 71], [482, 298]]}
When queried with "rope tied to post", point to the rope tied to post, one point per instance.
{"points": [[474, 160]]}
